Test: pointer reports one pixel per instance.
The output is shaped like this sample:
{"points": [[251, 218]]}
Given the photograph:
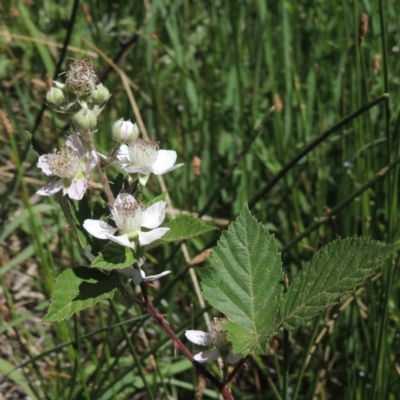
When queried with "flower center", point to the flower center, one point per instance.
{"points": [[217, 335], [81, 77], [127, 214], [143, 152], [64, 164]]}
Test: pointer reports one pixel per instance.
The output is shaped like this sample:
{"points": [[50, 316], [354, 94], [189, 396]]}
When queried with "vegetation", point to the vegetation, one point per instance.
{"points": [[242, 91]]}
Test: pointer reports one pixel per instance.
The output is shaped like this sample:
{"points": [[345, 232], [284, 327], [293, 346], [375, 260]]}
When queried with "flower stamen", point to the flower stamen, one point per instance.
{"points": [[143, 152], [127, 214], [64, 163]]}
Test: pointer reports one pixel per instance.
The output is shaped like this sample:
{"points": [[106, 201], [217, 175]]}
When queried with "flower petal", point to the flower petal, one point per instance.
{"points": [[153, 216], [155, 234], [51, 188], [123, 155], [232, 358], [198, 337], [44, 166], [123, 196], [137, 276], [207, 355], [123, 151], [164, 161], [151, 278], [92, 162], [133, 273], [77, 189], [122, 240], [74, 142], [142, 169], [171, 169], [99, 229]]}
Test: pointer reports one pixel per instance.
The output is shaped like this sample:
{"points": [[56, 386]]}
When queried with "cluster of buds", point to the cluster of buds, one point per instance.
{"points": [[80, 99]]}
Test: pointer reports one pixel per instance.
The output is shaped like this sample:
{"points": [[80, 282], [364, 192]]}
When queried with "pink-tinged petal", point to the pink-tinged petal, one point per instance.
{"points": [[122, 240], [51, 188], [232, 358], [44, 166], [77, 189], [198, 337], [164, 161], [154, 215], [207, 355], [155, 234], [151, 278], [99, 229], [74, 142], [142, 169], [92, 162]]}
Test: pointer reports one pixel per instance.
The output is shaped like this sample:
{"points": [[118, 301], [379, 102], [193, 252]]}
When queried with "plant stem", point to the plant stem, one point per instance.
{"points": [[178, 345]]}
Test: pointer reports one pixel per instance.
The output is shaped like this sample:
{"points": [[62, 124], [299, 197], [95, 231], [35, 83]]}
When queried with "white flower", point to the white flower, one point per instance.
{"points": [[144, 157], [215, 336], [138, 276], [125, 131], [130, 216], [73, 167]]}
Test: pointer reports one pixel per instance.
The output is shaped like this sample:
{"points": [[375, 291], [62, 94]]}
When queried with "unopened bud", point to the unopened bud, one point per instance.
{"points": [[100, 94], [125, 131], [84, 120], [55, 97]]}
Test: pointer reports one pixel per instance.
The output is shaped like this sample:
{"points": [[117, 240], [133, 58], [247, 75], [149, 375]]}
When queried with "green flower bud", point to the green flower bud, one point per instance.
{"points": [[55, 97], [84, 120], [124, 131], [100, 94]]}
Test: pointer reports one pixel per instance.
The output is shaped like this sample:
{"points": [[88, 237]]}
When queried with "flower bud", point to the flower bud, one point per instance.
{"points": [[55, 97], [100, 94], [125, 131], [84, 120]]}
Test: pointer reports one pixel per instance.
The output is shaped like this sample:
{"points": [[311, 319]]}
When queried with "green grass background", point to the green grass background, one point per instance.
{"points": [[205, 75]]}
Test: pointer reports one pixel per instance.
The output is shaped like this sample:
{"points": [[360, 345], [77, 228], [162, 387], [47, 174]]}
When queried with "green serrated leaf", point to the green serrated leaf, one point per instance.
{"points": [[77, 289], [334, 270], [114, 256], [183, 227], [244, 282]]}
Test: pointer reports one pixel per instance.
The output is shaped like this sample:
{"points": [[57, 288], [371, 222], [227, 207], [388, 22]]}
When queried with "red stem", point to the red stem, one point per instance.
{"points": [[222, 387]]}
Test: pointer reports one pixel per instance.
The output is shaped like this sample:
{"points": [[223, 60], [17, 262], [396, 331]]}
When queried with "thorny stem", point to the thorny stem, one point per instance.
{"points": [[223, 387]]}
